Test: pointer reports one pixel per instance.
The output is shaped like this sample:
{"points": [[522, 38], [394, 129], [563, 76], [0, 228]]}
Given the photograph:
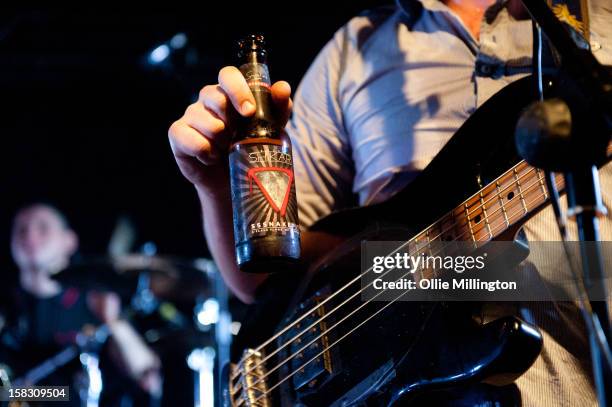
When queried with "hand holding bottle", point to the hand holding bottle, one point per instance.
{"points": [[201, 137]]}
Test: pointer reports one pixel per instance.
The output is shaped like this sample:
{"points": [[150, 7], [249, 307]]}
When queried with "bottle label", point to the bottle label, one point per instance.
{"points": [[263, 191], [257, 76]]}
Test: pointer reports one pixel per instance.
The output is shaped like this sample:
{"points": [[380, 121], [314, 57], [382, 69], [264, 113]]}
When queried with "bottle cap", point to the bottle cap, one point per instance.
{"points": [[251, 43]]}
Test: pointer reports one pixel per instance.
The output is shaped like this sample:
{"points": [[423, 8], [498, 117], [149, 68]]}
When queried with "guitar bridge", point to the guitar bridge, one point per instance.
{"points": [[248, 386]]}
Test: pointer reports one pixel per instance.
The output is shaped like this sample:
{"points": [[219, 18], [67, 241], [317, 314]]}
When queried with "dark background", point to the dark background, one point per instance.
{"points": [[84, 117]]}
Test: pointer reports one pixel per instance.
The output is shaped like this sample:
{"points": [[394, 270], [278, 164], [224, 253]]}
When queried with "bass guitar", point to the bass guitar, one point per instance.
{"points": [[311, 340]]}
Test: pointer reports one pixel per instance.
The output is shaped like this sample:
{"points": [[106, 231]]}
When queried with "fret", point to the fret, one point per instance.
{"points": [[484, 213], [501, 203], [428, 240], [541, 180], [492, 206], [467, 215], [518, 184], [433, 232], [478, 218], [472, 205], [533, 195], [419, 246], [421, 242]]}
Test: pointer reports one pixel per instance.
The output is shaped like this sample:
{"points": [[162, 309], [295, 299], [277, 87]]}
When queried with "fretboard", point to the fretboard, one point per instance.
{"points": [[504, 203]]}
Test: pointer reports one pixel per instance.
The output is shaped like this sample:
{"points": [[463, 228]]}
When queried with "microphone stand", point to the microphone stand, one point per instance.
{"points": [[549, 138]]}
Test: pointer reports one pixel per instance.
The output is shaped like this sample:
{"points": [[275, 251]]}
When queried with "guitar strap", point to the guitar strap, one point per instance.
{"points": [[574, 14]]}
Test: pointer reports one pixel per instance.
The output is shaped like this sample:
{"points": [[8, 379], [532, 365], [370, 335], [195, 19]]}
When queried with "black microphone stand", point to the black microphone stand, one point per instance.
{"points": [[571, 134]]}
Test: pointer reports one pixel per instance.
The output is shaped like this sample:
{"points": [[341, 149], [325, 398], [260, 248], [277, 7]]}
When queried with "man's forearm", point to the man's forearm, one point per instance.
{"points": [[218, 228]]}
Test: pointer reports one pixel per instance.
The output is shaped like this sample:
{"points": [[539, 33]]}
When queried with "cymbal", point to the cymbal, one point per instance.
{"points": [[169, 278]]}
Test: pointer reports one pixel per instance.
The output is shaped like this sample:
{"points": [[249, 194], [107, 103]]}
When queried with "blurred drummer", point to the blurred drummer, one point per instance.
{"points": [[48, 317]]}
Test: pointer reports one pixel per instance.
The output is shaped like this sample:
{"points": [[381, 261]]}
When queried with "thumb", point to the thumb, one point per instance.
{"points": [[281, 94]]}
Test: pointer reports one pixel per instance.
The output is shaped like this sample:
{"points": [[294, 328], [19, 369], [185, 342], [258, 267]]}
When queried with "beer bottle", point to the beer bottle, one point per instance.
{"points": [[266, 228]]}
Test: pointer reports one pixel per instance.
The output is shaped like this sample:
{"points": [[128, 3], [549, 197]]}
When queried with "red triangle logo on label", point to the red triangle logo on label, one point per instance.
{"points": [[274, 183]]}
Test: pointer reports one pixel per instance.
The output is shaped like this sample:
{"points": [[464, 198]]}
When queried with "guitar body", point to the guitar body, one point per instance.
{"points": [[407, 351], [379, 353]]}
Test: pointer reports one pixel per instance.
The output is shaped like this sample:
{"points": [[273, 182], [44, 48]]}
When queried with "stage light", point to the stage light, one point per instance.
{"points": [[91, 364], [159, 54], [209, 312], [163, 54], [202, 361], [178, 41], [149, 248]]}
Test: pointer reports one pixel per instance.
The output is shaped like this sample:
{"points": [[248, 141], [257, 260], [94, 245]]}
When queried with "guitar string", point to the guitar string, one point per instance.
{"points": [[327, 331], [521, 193], [343, 319], [482, 204], [306, 313], [259, 348], [291, 374], [527, 190], [443, 231]]}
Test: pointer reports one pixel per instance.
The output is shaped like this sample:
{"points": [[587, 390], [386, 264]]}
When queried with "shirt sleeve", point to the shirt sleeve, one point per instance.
{"points": [[322, 157]]}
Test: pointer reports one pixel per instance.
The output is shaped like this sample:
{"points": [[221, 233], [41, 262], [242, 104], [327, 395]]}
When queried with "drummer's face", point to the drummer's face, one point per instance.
{"points": [[41, 240]]}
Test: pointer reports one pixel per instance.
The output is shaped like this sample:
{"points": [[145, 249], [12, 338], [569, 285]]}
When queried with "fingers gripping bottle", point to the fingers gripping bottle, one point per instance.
{"points": [[265, 213]]}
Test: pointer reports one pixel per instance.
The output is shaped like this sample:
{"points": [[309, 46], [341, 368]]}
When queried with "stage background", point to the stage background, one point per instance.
{"points": [[85, 114]]}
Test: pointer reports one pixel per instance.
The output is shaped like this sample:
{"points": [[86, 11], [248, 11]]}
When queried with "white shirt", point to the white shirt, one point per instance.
{"points": [[380, 101]]}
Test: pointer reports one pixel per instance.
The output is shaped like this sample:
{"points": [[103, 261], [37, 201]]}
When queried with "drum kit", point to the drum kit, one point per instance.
{"points": [[163, 289]]}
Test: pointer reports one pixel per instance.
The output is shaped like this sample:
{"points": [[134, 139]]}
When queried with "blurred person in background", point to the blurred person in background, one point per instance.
{"points": [[44, 317]]}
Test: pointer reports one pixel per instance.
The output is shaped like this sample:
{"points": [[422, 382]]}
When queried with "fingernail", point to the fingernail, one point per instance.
{"points": [[247, 107]]}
